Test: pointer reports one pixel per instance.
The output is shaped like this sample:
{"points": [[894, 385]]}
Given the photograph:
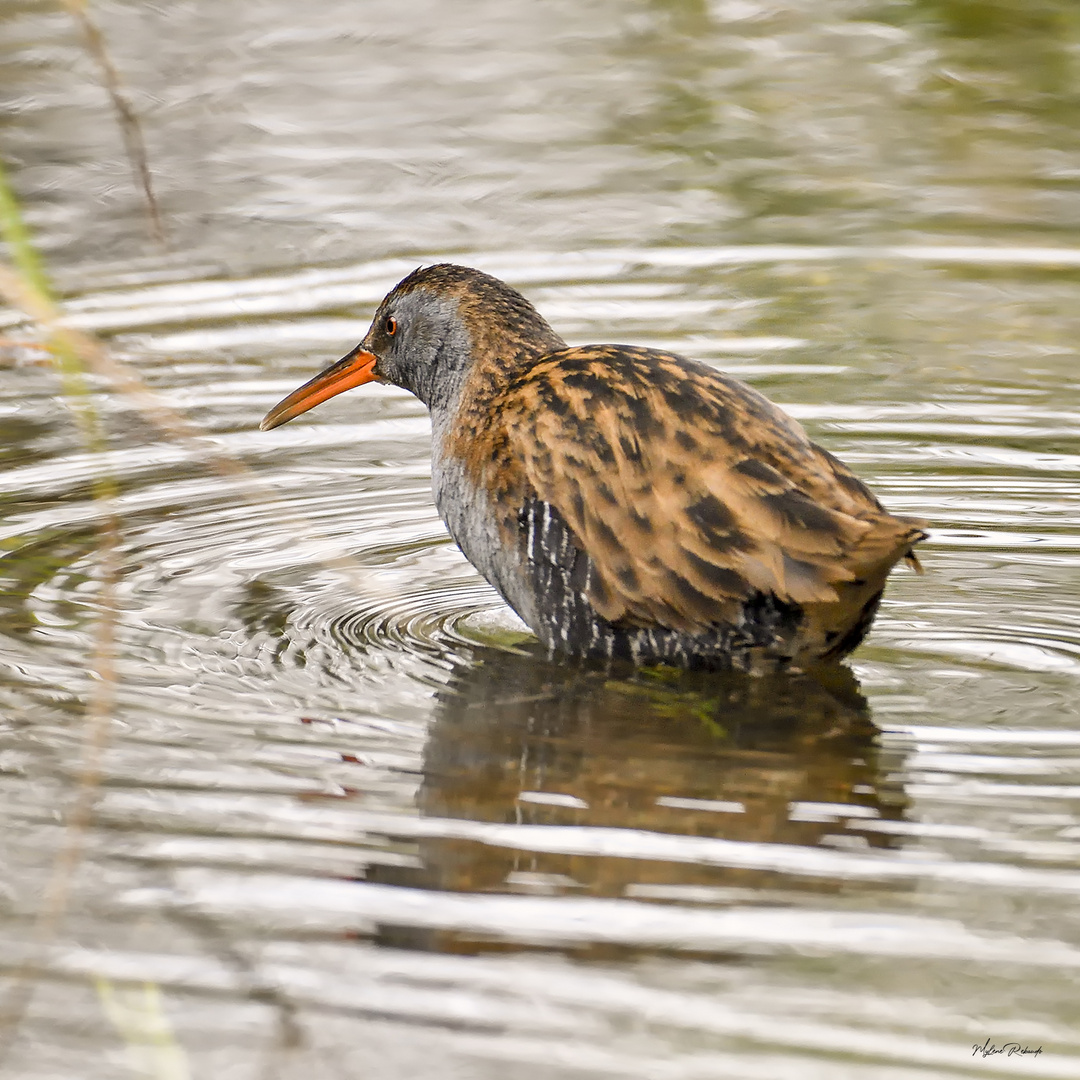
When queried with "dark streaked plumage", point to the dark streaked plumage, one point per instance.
{"points": [[627, 503]]}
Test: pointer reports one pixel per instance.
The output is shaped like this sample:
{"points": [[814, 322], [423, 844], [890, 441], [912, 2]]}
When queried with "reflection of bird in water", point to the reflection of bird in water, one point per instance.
{"points": [[627, 503], [789, 760]]}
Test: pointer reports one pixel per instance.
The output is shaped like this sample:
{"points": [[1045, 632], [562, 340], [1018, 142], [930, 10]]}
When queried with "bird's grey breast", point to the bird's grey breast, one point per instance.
{"points": [[473, 520]]}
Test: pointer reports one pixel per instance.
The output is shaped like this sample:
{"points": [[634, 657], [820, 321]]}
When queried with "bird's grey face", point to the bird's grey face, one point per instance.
{"points": [[416, 341], [420, 344]]}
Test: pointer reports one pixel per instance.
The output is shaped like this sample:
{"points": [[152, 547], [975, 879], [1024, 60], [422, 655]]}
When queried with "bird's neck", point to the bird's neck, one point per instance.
{"points": [[465, 439], [497, 354]]}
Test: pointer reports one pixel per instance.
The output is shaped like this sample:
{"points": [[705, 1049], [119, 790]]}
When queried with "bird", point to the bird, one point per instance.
{"points": [[631, 505]]}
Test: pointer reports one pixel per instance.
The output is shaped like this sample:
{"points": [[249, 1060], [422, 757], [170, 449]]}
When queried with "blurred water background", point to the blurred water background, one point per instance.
{"points": [[348, 824]]}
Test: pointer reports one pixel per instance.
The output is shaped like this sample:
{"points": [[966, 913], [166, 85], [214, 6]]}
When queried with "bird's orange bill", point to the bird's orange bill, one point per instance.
{"points": [[353, 370]]}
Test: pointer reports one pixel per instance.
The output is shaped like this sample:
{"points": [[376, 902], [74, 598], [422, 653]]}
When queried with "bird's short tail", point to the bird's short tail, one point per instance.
{"points": [[917, 534]]}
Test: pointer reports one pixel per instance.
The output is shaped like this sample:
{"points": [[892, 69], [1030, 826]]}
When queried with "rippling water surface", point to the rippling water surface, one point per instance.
{"points": [[348, 821]]}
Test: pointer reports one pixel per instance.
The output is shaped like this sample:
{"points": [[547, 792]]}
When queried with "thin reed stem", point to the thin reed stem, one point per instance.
{"points": [[126, 117]]}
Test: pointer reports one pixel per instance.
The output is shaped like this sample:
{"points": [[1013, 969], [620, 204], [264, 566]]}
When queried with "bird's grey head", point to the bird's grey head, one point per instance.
{"points": [[436, 323], [421, 340], [429, 333]]}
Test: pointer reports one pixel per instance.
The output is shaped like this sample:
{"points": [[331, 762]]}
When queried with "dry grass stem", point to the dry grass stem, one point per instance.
{"points": [[130, 129]]}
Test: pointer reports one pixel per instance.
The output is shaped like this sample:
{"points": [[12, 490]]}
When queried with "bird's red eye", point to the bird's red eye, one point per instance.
{"points": [[391, 325]]}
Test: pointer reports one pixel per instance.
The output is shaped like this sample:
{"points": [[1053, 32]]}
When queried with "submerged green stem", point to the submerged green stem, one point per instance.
{"points": [[28, 286], [34, 282]]}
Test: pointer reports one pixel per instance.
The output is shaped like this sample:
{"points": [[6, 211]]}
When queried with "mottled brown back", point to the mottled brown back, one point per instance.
{"points": [[688, 490]]}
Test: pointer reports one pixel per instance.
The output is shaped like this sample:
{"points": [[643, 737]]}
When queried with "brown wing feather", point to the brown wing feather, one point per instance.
{"points": [[689, 490]]}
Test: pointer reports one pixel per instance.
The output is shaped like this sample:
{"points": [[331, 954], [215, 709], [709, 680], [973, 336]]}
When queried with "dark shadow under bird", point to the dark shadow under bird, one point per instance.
{"points": [[629, 504], [776, 769]]}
